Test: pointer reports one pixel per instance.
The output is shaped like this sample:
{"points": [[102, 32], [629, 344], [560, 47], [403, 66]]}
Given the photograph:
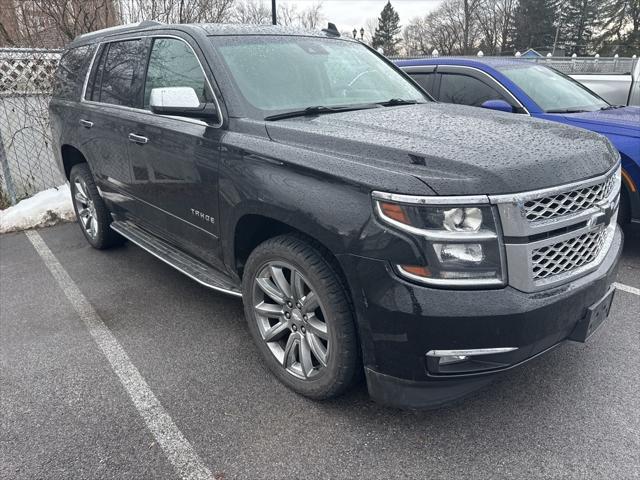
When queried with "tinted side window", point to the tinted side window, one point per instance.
{"points": [[172, 63], [120, 84], [425, 80], [71, 73], [465, 90]]}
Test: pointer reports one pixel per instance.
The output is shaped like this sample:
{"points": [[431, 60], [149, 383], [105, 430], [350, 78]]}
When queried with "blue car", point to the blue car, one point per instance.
{"points": [[531, 89]]}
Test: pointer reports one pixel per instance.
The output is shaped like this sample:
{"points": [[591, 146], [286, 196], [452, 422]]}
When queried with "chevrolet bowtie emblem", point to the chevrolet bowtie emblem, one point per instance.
{"points": [[603, 217]]}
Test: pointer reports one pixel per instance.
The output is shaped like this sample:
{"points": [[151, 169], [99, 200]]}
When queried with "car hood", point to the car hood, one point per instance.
{"points": [[455, 150], [621, 121]]}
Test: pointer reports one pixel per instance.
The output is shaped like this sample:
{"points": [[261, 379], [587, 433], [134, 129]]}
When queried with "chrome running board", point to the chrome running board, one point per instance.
{"points": [[183, 262]]}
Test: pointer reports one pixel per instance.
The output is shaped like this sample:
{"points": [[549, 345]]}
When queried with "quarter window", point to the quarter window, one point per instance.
{"points": [[70, 73], [172, 63], [466, 90], [119, 76]]}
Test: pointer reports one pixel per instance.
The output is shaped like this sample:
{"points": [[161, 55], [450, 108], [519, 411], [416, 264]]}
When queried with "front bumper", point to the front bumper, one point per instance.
{"points": [[399, 322]]}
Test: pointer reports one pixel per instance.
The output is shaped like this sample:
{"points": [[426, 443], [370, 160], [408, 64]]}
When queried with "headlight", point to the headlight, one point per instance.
{"points": [[459, 235]]}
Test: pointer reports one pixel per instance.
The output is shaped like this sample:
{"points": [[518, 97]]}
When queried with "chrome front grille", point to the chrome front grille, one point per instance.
{"points": [[554, 235], [567, 255], [564, 203]]}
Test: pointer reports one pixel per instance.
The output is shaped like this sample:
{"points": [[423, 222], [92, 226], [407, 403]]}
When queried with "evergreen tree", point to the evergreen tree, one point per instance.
{"points": [[620, 32], [579, 21], [535, 24], [387, 31]]}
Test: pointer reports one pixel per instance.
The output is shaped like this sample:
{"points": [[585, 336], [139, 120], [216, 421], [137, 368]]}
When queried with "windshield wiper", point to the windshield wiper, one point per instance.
{"points": [[397, 101], [317, 110], [611, 107], [567, 110]]}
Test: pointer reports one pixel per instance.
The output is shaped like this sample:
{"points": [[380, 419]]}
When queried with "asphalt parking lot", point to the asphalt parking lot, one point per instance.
{"points": [[68, 410]]}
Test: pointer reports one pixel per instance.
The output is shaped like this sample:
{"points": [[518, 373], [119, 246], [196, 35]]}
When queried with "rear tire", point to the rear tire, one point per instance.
{"points": [[300, 317], [91, 212]]}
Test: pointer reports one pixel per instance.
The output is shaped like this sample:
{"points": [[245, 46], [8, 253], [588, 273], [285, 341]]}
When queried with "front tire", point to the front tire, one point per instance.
{"points": [[91, 212], [624, 214], [300, 318]]}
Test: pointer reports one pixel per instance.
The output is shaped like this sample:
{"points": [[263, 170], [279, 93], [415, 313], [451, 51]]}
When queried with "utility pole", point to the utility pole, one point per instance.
{"points": [[274, 18]]}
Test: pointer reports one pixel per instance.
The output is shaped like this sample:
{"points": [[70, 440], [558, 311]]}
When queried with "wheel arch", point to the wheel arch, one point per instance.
{"points": [[71, 156], [252, 229], [629, 189]]}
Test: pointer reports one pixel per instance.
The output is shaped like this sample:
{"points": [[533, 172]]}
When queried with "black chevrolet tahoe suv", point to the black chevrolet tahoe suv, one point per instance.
{"points": [[368, 229]]}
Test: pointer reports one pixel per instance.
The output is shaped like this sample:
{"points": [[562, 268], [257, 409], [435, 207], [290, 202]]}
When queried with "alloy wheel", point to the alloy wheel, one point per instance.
{"points": [[291, 319], [85, 207]]}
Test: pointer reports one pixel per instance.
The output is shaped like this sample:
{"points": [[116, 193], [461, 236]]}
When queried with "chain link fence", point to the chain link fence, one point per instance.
{"points": [[589, 65], [26, 156]]}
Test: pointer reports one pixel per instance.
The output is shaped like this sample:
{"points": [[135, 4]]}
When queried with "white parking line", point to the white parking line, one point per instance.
{"points": [[627, 288], [179, 451]]}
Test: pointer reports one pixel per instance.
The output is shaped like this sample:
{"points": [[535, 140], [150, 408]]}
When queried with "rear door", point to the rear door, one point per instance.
{"points": [[177, 165], [112, 100]]}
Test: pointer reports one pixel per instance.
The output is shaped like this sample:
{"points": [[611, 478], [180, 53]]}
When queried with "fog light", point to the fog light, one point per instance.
{"points": [[469, 352], [452, 359], [468, 360]]}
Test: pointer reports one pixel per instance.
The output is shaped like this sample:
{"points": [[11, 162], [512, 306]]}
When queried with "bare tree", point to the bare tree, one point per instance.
{"points": [[452, 29], [444, 30], [506, 10], [73, 18], [6, 39], [309, 18], [416, 37], [176, 11], [52, 23], [468, 21], [370, 26], [495, 19], [312, 17], [253, 12], [287, 14]]}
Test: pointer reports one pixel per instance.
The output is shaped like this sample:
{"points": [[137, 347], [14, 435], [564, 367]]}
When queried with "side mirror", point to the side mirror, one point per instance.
{"points": [[180, 101], [499, 105]]}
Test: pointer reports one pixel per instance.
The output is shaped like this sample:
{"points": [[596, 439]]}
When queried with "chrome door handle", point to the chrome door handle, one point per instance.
{"points": [[137, 139], [85, 123]]}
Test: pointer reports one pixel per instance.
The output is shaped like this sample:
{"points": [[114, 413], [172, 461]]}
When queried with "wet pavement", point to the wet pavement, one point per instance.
{"points": [[66, 411]]}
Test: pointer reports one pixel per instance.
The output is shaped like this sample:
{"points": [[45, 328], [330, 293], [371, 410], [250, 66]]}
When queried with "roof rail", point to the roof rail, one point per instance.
{"points": [[149, 23], [117, 28]]}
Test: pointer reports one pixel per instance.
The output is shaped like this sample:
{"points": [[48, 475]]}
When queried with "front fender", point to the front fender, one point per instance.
{"points": [[297, 189]]}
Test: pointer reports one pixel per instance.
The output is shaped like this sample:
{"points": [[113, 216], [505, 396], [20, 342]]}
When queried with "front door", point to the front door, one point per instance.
{"points": [[175, 159]]}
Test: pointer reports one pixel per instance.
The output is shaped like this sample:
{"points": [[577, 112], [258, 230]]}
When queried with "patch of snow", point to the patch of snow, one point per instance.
{"points": [[44, 209]]}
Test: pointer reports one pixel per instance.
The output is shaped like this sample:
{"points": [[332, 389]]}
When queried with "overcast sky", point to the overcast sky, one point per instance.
{"points": [[347, 14]]}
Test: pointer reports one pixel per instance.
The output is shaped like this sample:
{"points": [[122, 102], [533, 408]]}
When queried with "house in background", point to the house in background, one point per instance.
{"points": [[531, 53], [559, 51]]}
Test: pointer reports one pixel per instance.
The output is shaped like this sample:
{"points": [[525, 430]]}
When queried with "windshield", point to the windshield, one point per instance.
{"points": [[552, 91], [276, 74]]}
